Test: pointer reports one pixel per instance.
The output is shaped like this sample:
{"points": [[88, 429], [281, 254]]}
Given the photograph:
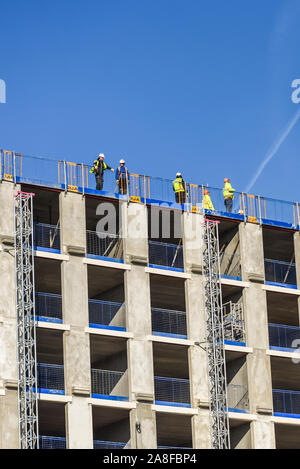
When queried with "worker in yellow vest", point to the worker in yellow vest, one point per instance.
{"points": [[228, 194], [207, 203], [98, 169], [179, 189]]}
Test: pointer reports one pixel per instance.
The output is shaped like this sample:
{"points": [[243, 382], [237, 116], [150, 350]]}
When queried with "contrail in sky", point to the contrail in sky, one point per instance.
{"points": [[274, 149]]}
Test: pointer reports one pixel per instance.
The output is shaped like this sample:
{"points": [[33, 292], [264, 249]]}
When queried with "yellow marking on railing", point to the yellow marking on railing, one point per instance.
{"points": [[72, 188], [252, 219], [196, 209], [8, 177], [136, 199]]}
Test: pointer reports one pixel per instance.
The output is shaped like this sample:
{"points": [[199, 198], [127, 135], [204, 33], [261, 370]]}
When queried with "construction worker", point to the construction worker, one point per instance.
{"points": [[122, 177], [207, 203], [179, 189], [228, 194], [98, 169]]}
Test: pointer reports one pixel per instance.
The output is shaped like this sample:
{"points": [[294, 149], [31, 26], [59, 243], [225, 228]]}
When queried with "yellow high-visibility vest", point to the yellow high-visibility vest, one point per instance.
{"points": [[178, 185], [228, 191]]}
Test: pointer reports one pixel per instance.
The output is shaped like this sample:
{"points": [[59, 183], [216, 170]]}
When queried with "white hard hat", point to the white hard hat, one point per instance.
{"points": [[178, 175], [101, 155], [122, 161]]}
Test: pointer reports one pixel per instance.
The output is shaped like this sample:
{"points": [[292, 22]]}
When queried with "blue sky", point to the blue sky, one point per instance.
{"points": [[197, 86]]}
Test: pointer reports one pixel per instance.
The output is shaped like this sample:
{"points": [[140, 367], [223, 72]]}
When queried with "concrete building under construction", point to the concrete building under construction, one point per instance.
{"points": [[123, 350]]}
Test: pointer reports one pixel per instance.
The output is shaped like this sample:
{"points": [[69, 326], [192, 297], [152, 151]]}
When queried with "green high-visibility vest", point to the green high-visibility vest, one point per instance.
{"points": [[178, 185], [228, 191]]}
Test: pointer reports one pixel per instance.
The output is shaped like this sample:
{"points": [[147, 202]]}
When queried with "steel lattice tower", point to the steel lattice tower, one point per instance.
{"points": [[26, 331], [219, 422]]}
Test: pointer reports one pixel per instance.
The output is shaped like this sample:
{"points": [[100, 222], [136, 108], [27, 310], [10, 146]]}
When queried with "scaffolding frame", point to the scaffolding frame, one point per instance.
{"points": [[217, 382], [26, 324]]}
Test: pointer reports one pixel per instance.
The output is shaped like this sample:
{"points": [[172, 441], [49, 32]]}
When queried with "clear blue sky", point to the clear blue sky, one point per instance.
{"points": [[197, 86]]}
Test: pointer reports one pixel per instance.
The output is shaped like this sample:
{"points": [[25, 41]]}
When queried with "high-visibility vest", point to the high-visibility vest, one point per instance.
{"points": [[178, 185], [96, 164], [207, 203], [228, 191]]}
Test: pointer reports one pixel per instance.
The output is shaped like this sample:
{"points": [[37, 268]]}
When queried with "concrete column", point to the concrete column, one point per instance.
{"points": [[9, 433], [138, 321], [196, 328], [256, 321], [77, 363]]}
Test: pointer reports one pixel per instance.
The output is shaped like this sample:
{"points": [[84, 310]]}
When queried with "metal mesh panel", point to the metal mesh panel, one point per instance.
{"points": [[107, 245], [46, 236], [283, 336], [109, 445], [164, 254], [286, 402], [52, 442], [50, 376], [168, 322], [48, 305], [237, 395], [104, 381], [102, 312], [280, 272], [233, 320], [230, 265], [172, 390]]}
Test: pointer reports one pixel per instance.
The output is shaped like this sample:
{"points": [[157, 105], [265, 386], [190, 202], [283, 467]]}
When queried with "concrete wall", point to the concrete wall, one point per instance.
{"points": [[9, 431]]}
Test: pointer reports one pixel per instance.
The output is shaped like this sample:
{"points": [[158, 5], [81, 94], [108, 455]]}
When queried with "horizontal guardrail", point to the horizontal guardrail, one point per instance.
{"points": [[107, 314], [98, 444], [46, 236], [279, 272], [168, 322], [48, 307], [281, 336], [237, 397], [50, 378], [166, 255], [104, 245], [286, 402], [109, 384], [172, 391], [52, 442], [76, 177]]}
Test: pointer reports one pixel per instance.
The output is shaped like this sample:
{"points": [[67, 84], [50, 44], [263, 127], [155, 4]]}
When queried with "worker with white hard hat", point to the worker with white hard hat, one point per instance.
{"points": [[98, 169], [179, 188], [122, 177]]}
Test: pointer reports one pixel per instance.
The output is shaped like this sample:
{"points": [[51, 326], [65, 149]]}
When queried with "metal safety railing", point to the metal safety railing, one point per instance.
{"points": [[166, 255], [230, 265], [48, 307], [280, 272], [234, 323], [286, 402], [105, 313], [76, 177], [281, 336], [172, 391], [168, 322], [104, 245], [238, 398], [50, 378], [52, 442], [46, 236], [109, 384], [98, 444]]}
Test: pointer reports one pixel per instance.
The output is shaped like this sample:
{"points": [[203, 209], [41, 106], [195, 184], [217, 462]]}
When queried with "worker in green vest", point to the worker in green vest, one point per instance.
{"points": [[98, 169], [207, 203], [228, 194], [179, 189]]}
